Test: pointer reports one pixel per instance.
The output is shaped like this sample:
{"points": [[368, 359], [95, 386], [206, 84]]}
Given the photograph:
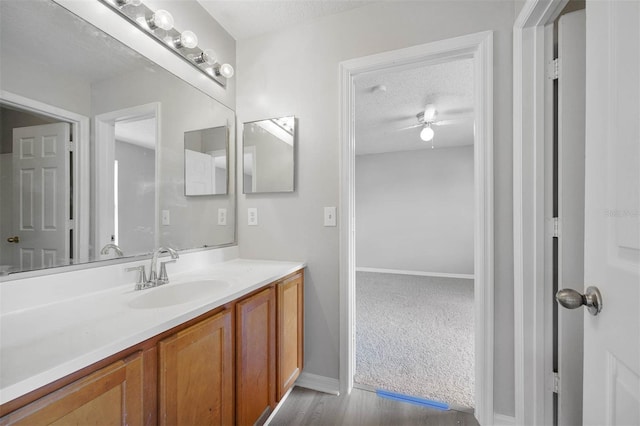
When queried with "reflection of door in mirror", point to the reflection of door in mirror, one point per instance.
{"points": [[126, 198], [35, 192]]}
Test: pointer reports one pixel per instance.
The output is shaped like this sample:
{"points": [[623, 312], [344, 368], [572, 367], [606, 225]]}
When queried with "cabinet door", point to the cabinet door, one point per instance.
{"points": [[196, 374], [110, 396], [290, 332], [255, 357]]}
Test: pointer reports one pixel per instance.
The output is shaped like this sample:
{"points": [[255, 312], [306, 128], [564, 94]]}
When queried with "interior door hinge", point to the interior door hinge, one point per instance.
{"points": [[556, 227], [71, 146], [556, 382], [71, 224], [553, 69]]}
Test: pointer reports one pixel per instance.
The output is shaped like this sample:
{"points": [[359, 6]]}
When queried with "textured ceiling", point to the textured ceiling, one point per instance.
{"points": [[382, 116], [247, 19]]}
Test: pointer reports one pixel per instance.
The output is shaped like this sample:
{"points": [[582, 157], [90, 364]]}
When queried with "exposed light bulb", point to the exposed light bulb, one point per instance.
{"points": [[427, 133], [187, 39], [208, 56], [226, 70], [161, 19]]}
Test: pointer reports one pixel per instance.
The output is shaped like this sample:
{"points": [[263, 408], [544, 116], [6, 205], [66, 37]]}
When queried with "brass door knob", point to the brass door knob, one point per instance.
{"points": [[15, 239]]}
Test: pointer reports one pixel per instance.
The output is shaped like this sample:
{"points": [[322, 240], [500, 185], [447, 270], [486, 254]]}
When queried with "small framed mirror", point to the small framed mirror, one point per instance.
{"points": [[206, 161], [268, 155]]}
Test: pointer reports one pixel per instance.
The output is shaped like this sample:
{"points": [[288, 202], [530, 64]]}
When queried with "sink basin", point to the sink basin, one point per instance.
{"points": [[177, 293]]}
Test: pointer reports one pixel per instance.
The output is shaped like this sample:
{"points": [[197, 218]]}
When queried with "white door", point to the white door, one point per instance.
{"points": [[41, 195], [612, 213], [571, 128]]}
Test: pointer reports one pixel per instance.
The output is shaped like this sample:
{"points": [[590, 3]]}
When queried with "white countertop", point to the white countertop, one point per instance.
{"points": [[41, 344]]}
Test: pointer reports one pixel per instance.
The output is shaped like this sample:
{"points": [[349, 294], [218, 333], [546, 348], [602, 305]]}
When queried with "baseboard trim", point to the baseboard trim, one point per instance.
{"points": [[419, 273], [502, 420], [319, 383], [275, 410]]}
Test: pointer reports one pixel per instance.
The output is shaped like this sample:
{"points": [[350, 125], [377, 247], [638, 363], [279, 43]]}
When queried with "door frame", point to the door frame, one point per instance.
{"points": [[103, 160], [80, 168], [533, 338], [479, 47]]}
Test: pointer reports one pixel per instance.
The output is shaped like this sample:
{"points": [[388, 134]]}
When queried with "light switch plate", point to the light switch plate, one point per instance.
{"points": [[222, 216], [252, 216], [166, 219], [330, 216]]}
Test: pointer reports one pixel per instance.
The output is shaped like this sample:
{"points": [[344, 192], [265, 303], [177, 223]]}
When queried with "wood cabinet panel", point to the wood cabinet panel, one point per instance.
{"points": [[196, 374], [110, 396], [290, 325], [255, 356]]}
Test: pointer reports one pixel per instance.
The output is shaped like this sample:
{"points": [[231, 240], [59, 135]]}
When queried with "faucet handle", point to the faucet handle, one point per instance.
{"points": [[142, 276], [164, 278]]}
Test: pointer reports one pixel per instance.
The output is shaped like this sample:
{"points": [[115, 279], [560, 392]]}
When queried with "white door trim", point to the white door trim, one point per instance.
{"points": [[532, 337], [81, 167], [103, 162], [478, 46]]}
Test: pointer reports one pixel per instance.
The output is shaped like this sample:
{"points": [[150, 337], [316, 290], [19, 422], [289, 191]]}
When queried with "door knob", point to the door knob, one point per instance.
{"points": [[571, 299], [15, 239]]}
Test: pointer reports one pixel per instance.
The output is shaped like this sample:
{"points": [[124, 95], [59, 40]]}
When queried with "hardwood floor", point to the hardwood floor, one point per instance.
{"points": [[307, 407]]}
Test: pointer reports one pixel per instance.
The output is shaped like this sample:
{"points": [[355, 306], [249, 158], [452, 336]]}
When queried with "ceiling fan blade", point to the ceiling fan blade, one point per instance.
{"points": [[449, 121], [409, 127]]}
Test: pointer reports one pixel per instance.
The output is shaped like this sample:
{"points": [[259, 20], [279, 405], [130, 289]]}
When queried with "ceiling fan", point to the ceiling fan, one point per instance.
{"points": [[427, 119]]}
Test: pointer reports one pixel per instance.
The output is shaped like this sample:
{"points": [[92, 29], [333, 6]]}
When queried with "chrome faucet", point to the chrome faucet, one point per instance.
{"points": [[106, 248], [154, 280]]}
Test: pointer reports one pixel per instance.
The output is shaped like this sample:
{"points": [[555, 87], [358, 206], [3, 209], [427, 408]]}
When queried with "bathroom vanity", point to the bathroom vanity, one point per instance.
{"points": [[217, 345]]}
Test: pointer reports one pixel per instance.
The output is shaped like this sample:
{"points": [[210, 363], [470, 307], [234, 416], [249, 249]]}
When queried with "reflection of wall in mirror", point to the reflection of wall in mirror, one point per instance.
{"points": [[273, 157], [10, 119], [182, 108]]}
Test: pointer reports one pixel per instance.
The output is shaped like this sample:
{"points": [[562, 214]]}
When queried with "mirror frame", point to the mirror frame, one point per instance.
{"points": [[99, 15]]}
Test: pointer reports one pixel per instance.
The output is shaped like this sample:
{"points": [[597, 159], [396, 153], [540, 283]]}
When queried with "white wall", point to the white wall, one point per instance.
{"points": [[414, 210], [295, 71]]}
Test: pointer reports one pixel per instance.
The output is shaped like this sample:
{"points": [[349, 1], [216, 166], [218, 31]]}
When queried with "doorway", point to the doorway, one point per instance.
{"points": [[126, 171], [478, 48], [414, 187], [44, 169]]}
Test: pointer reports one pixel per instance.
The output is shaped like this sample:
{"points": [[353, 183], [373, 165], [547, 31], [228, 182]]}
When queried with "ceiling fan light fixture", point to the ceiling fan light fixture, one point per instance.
{"points": [[427, 133]]}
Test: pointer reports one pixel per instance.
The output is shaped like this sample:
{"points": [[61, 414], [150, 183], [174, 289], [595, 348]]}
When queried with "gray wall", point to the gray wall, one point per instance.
{"points": [[414, 210], [302, 79]]}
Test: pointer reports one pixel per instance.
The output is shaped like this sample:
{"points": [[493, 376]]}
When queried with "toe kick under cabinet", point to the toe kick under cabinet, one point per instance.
{"points": [[229, 366]]}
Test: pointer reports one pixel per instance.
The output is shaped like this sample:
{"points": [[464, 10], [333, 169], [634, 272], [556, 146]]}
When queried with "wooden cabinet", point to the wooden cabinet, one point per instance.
{"points": [[228, 366], [290, 327], [196, 374], [110, 396], [255, 357]]}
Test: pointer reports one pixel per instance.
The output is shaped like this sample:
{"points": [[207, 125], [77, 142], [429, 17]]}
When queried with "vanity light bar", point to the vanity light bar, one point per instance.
{"points": [[159, 26]]}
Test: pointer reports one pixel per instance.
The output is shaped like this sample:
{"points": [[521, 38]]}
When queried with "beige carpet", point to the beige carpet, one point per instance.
{"points": [[414, 335]]}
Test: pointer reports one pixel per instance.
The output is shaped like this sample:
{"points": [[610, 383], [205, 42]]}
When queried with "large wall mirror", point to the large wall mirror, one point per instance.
{"points": [[93, 147], [268, 149]]}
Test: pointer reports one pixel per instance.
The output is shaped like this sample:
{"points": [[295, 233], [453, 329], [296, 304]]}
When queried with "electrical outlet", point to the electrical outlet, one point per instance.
{"points": [[222, 216], [330, 216], [166, 219], [252, 216]]}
